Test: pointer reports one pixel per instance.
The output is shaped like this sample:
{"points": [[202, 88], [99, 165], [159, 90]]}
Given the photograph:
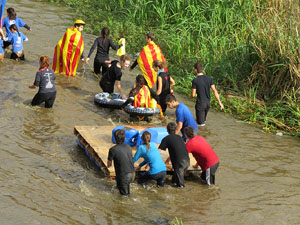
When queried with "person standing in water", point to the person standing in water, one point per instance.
{"points": [[10, 20], [205, 156], [17, 38], [164, 83], [202, 85], [1, 45], [103, 44], [44, 80], [114, 74]]}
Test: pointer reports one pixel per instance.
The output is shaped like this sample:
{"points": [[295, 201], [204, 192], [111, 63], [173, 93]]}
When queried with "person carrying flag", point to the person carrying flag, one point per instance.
{"points": [[69, 50]]}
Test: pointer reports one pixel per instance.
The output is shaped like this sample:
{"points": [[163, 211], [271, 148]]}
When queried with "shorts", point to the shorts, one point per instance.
{"points": [[106, 86], [159, 177], [98, 64], [48, 98], [209, 174], [201, 112]]}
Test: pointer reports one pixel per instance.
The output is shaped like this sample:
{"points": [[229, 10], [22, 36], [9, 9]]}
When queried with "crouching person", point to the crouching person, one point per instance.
{"points": [[121, 154], [205, 156]]}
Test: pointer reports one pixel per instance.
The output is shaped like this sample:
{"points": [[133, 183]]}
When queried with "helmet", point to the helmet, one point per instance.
{"points": [[79, 22]]}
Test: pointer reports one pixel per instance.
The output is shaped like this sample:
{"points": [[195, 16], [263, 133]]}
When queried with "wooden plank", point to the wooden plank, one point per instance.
{"points": [[96, 140]]}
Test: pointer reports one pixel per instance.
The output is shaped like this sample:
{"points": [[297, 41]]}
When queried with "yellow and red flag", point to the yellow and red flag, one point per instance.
{"points": [[67, 52], [149, 53], [142, 99]]}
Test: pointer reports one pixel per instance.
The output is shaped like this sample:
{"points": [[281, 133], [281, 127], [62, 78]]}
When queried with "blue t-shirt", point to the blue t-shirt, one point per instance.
{"points": [[184, 115], [1, 45], [152, 157], [17, 41], [7, 22]]}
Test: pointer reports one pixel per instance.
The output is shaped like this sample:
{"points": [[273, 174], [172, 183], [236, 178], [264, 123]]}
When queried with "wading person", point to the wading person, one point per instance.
{"points": [[114, 74], [202, 85], [17, 38], [69, 50], [44, 80], [10, 20], [149, 151], [178, 154], [164, 83], [121, 154], [149, 53], [184, 116], [205, 156], [103, 44]]}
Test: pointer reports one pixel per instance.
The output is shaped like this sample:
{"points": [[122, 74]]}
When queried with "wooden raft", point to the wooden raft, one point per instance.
{"points": [[96, 141]]}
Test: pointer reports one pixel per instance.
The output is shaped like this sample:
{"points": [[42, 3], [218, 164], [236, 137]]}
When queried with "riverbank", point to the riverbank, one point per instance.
{"points": [[254, 67]]}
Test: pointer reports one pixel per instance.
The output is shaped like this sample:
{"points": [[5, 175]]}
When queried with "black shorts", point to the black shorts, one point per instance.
{"points": [[123, 183], [15, 56], [48, 98], [159, 177], [98, 64], [201, 112], [209, 174], [106, 86]]}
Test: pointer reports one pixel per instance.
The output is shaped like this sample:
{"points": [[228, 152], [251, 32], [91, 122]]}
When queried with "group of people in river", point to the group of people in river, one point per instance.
{"points": [[154, 68]]}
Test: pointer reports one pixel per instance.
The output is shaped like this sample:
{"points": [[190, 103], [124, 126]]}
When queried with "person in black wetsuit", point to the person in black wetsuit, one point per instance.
{"points": [[164, 83], [113, 75], [103, 44], [44, 79]]}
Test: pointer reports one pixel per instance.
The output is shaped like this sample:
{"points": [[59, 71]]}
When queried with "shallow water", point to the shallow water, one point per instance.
{"points": [[45, 178]]}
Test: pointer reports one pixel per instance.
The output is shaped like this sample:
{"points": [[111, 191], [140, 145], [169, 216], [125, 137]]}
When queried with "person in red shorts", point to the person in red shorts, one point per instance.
{"points": [[205, 156]]}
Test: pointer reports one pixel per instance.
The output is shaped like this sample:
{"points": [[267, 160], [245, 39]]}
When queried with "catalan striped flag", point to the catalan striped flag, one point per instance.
{"points": [[2, 6], [142, 99], [67, 52], [149, 53]]}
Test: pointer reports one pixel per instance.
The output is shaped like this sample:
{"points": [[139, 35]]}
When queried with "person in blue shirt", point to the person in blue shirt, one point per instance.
{"points": [[1, 45], [184, 116], [16, 38], [149, 151], [10, 20]]}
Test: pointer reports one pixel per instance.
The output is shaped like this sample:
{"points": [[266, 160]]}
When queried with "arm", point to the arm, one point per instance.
{"points": [[172, 82], [109, 163], [133, 65], [113, 46], [178, 127], [1, 32], [118, 84], [92, 50], [128, 101], [27, 27], [159, 89], [193, 93], [217, 96]]}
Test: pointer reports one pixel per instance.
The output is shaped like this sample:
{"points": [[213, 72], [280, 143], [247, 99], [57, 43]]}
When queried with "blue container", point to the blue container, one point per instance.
{"points": [[157, 134], [131, 135]]}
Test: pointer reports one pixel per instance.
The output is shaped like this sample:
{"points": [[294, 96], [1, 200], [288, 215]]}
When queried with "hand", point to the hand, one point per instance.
{"points": [[30, 29], [195, 166], [31, 86], [137, 168], [221, 106], [130, 70], [87, 60], [124, 97]]}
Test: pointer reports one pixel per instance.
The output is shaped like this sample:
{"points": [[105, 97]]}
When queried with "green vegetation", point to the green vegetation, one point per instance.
{"points": [[250, 48]]}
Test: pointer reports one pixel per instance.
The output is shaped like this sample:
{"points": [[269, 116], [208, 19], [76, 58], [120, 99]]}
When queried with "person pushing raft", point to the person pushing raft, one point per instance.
{"points": [[16, 38], [149, 53], [103, 44], [69, 50]]}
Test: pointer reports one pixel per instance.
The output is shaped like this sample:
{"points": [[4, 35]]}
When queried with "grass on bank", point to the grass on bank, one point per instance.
{"points": [[250, 48]]}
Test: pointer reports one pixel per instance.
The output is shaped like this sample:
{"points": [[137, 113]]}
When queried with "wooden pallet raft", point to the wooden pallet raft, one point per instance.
{"points": [[96, 142]]}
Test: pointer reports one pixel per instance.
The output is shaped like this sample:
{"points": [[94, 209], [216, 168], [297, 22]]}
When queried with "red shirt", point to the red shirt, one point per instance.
{"points": [[203, 153]]}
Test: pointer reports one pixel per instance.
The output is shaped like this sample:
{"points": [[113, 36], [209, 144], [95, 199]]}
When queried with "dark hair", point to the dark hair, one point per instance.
{"points": [[78, 24], [159, 64], [146, 137], [150, 36], [170, 98], [171, 128], [140, 82], [44, 62], [104, 34], [189, 132], [124, 58], [199, 67], [14, 27], [119, 136], [11, 13]]}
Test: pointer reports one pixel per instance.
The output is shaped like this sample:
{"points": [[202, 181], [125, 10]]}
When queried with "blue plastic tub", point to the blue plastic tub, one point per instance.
{"points": [[131, 135], [157, 134]]}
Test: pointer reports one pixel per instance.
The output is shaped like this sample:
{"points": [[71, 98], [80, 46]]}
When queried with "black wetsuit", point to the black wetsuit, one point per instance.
{"points": [[108, 80], [165, 76], [102, 54]]}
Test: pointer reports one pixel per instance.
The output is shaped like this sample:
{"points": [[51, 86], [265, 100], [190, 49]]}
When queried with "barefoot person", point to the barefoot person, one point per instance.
{"points": [[205, 156], [44, 80], [202, 85], [103, 44]]}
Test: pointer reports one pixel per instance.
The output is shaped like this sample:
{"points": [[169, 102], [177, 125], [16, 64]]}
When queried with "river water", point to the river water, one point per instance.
{"points": [[45, 178]]}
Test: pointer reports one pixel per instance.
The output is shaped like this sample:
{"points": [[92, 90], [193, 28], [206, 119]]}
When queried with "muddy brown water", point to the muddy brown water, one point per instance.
{"points": [[45, 178]]}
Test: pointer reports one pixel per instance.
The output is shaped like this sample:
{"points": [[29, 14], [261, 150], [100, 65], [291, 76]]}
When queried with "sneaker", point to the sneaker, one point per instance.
{"points": [[201, 125]]}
